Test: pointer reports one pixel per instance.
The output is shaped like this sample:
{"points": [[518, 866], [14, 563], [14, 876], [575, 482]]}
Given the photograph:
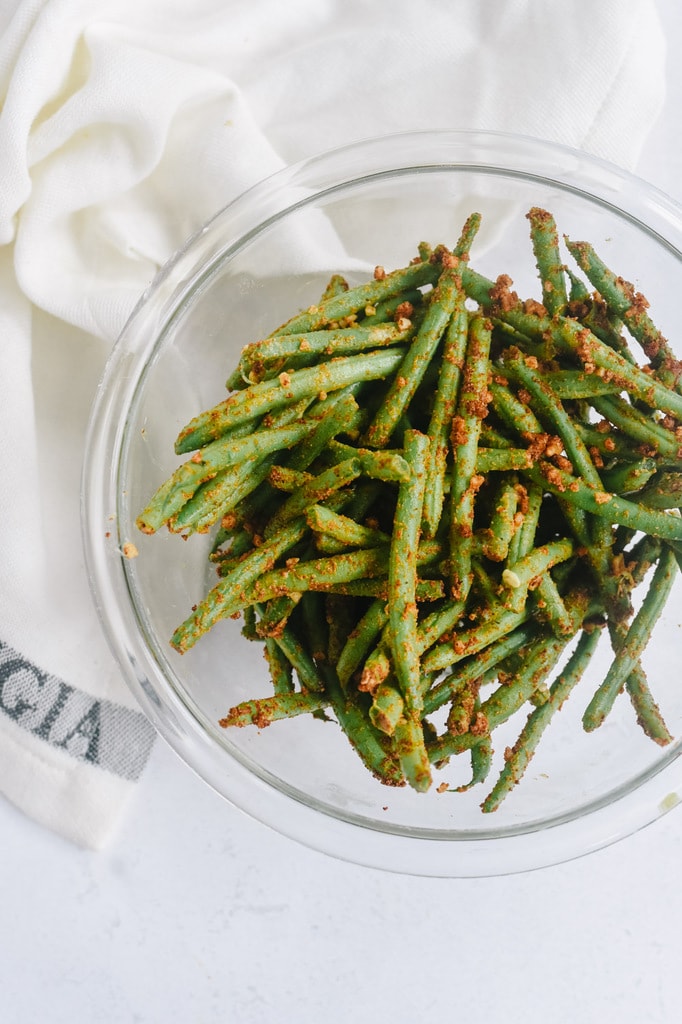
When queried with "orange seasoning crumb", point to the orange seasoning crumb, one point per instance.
{"points": [[450, 260], [553, 476], [443, 788], [479, 726], [596, 457], [284, 379], [534, 308], [501, 295], [129, 550], [405, 309], [379, 273], [563, 463]]}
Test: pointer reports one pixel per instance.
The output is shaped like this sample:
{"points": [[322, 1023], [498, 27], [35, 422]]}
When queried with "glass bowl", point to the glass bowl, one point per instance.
{"points": [[262, 258]]}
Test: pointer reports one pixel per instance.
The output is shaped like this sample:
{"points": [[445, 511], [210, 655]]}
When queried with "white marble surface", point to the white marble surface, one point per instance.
{"points": [[197, 914]]}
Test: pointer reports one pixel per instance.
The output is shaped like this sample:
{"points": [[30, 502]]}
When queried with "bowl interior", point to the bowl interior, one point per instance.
{"points": [[234, 289]]}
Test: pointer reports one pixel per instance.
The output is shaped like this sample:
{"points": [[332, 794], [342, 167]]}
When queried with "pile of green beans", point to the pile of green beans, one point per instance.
{"points": [[429, 499]]}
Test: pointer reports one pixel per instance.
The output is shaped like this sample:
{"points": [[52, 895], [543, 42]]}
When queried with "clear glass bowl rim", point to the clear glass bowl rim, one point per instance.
{"points": [[621, 811]]}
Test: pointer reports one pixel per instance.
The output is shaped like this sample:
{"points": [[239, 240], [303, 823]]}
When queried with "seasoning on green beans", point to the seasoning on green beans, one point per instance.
{"points": [[426, 495]]}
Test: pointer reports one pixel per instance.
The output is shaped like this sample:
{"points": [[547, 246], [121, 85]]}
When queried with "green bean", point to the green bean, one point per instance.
{"points": [[507, 699], [551, 606], [358, 298], [475, 666], [513, 411], [333, 414], [262, 360], [344, 529], [364, 737], [533, 566], [452, 361], [481, 762], [285, 479], [275, 614], [610, 506], [546, 401], [336, 285], [631, 306], [314, 626], [229, 595], [491, 460], [628, 477], [269, 396], [380, 465], [545, 240], [538, 663], [634, 642], [443, 410], [523, 541], [640, 428], [217, 496], [411, 750], [387, 709], [281, 669], [466, 429], [649, 716], [402, 574], [573, 337], [523, 750], [387, 309], [503, 525], [579, 292], [318, 573], [301, 661], [663, 491], [265, 710], [471, 641], [416, 359], [179, 488], [314, 491], [361, 639], [579, 384]]}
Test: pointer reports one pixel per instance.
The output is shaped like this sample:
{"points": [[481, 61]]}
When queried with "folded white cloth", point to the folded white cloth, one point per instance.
{"points": [[124, 126]]}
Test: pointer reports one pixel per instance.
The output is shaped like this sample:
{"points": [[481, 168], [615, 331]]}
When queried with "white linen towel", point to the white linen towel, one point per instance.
{"points": [[124, 126]]}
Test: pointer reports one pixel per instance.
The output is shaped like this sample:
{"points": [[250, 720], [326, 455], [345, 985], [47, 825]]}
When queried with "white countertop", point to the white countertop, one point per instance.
{"points": [[195, 913]]}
